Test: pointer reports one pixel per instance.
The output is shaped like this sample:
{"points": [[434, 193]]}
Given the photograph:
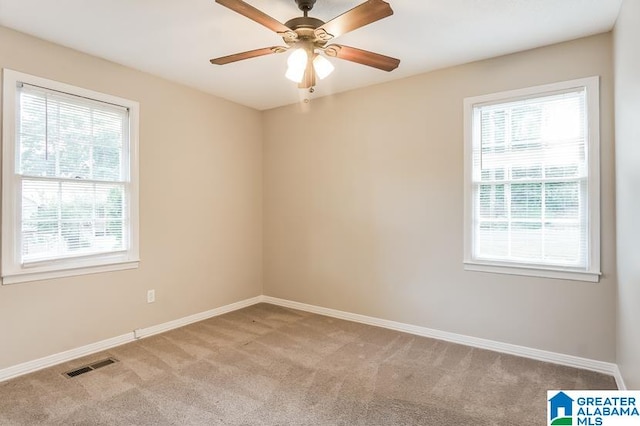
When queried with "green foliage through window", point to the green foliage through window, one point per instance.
{"points": [[73, 180]]}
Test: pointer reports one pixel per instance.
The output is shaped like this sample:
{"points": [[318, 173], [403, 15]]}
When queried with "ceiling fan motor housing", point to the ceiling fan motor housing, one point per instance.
{"points": [[305, 5]]}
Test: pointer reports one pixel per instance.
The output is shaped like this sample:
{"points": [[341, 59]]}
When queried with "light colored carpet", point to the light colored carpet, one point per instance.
{"points": [[267, 365]]}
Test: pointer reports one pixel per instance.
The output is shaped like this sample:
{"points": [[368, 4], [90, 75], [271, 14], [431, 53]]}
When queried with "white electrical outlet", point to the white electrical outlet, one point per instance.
{"points": [[151, 296]]}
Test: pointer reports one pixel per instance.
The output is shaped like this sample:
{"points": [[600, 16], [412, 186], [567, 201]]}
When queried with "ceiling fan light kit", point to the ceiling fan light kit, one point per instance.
{"points": [[308, 38], [298, 63]]}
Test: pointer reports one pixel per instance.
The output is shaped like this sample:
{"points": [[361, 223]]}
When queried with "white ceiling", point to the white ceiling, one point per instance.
{"points": [[175, 39]]}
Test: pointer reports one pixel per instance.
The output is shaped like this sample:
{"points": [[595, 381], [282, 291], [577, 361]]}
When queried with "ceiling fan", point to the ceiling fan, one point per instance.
{"points": [[308, 37]]}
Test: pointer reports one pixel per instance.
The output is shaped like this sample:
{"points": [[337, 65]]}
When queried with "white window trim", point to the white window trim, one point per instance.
{"points": [[12, 271], [592, 274]]}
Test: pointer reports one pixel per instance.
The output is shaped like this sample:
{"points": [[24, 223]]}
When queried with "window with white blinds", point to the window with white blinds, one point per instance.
{"points": [[532, 197], [70, 180]]}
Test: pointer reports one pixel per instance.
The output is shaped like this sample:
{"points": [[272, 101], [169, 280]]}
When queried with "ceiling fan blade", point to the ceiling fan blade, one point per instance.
{"points": [[257, 15], [248, 55], [364, 14], [364, 57]]}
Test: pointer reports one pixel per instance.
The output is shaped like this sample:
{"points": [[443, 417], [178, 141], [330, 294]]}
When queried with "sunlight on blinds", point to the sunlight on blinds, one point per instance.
{"points": [[530, 176], [73, 173]]}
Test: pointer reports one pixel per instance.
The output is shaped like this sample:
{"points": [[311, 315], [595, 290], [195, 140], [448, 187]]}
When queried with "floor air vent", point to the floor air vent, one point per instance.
{"points": [[90, 367]]}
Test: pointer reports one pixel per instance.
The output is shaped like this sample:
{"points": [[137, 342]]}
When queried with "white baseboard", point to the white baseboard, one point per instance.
{"points": [[161, 328], [51, 360], [619, 380], [537, 354], [507, 348]]}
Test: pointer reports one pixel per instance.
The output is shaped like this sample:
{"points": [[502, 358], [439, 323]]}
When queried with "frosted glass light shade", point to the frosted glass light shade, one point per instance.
{"points": [[297, 59], [322, 66], [295, 74], [297, 63]]}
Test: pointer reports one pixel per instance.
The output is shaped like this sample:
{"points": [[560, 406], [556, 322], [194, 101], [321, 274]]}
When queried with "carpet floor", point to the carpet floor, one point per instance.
{"points": [[268, 365]]}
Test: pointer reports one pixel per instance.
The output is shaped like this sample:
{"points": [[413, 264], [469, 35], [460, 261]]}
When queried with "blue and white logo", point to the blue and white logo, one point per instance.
{"points": [[593, 408], [561, 409]]}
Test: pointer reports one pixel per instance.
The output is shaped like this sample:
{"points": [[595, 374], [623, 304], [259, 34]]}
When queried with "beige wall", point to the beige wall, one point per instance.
{"points": [[627, 77], [200, 213], [364, 203]]}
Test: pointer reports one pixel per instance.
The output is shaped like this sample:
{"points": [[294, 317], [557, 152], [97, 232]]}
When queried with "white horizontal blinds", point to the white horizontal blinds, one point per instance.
{"points": [[530, 181], [73, 171]]}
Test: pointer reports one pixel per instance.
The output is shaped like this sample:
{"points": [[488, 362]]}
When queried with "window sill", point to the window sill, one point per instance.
{"points": [[556, 273], [46, 275]]}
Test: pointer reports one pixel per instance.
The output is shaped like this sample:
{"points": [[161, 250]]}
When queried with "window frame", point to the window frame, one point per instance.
{"points": [[13, 271], [592, 272]]}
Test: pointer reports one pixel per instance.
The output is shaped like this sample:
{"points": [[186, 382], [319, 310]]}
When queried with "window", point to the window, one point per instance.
{"points": [[532, 202], [70, 180]]}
